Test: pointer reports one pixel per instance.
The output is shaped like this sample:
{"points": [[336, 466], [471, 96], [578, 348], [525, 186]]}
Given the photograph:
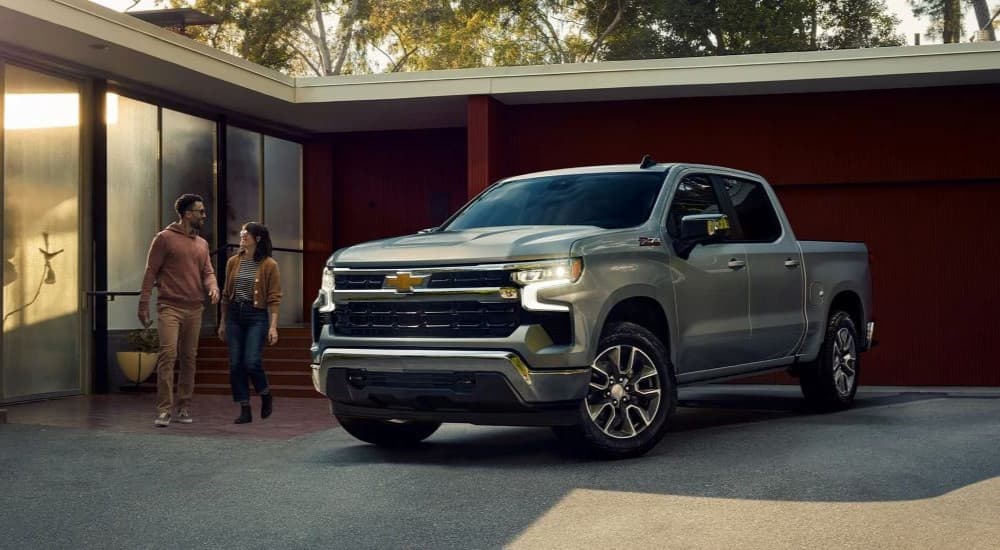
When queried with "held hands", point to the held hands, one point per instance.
{"points": [[213, 295], [272, 336]]}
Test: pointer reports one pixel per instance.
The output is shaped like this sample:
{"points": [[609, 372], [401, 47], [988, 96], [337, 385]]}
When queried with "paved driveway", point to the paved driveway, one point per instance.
{"points": [[742, 467]]}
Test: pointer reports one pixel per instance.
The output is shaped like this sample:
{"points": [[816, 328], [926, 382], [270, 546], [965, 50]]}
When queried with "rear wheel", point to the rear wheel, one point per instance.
{"points": [[831, 381], [388, 433], [630, 397]]}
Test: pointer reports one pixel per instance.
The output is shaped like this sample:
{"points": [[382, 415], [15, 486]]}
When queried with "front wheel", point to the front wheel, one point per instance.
{"points": [[831, 381], [388, 433], [630, 397]]}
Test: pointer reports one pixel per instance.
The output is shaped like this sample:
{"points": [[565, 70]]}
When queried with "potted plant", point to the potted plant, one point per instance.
{"points": [[139, 361]]}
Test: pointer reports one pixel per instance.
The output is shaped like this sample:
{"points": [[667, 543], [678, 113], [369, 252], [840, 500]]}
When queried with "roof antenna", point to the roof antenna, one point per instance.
{"points": [[647, 161]]}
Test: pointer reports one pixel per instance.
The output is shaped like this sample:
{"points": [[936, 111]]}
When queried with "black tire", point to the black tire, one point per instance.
{"points": [[831, 381], [388, 433], [621, 405]]}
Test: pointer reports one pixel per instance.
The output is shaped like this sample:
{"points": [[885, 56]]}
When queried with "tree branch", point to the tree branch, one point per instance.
{"points": [[592, 54], [347, 34], [304, 57], [324, 52]]}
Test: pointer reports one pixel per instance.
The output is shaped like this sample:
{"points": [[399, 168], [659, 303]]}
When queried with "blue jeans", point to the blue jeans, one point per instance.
{"points": [[246, 331]]}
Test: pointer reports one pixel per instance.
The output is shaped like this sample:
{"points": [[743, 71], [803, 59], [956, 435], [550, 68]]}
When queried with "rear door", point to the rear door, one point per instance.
{"points": [[710, 287], [775, 270]]}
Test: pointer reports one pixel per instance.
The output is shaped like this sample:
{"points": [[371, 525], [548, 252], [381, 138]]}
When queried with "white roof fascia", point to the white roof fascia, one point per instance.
{"points": [[868, 65], [122, 30]]}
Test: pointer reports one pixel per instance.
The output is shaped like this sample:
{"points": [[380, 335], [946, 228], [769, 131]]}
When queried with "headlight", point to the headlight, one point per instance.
{"points": [[329, 282], [565, 271]]}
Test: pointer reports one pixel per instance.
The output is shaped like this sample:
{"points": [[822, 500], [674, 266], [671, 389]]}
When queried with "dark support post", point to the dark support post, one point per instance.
{"points": [[99, 208], [221, 202]]}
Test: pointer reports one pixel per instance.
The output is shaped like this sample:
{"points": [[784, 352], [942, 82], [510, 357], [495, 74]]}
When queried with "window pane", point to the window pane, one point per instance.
{"points": [[133, 151], [243, 173], [694, 195], [757, 220], [41, 287], [283, 216], [283, 192], [188, 165]]}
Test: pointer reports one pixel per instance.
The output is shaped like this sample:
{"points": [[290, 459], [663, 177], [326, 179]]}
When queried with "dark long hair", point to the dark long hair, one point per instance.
{"points": [[259, 231]]}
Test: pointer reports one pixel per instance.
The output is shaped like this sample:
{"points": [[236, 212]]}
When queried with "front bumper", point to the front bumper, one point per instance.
{"points": [[477, 386]]}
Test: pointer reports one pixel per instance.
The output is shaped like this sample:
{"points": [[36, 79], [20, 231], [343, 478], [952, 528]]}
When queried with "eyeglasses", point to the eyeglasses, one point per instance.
{"points": [[198, 211]]}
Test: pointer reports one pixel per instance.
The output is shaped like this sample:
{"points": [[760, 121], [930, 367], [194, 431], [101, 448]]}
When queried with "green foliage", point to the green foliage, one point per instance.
{"points": [[945, 17], [144, 340], [327, 37]]}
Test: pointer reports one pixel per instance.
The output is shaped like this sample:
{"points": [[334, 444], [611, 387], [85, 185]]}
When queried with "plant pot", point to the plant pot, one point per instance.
{"points": [[136, 366]]}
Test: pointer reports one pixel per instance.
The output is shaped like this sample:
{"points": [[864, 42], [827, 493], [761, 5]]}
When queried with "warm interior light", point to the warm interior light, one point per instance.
{"points": [[111, 108], [34, 111]]}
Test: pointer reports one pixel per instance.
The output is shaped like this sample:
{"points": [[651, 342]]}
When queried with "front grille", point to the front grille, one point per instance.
{"points": [[470, 279], [450, 319], [460, 382], [359, 282]]}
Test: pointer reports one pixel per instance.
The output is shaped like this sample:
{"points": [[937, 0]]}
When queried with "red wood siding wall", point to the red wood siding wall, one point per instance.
{"points": [[912, 172], [925, 134], [317, 198], [384, 184]]}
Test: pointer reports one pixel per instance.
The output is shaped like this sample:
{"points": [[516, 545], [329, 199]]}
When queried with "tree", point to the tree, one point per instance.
{"points": [[945, 16], [330, 37], [675, 28], [858, 24], [261, 31]]}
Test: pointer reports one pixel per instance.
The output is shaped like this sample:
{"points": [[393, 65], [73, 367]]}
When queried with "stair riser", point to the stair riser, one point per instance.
{"points": [[269, 353]]}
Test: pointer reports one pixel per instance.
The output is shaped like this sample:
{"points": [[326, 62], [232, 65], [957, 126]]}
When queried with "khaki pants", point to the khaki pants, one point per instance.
{"points": [[179, 329]]}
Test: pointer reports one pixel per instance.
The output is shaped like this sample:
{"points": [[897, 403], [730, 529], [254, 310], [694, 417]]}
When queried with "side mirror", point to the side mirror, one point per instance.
{"points": [[700, 229]]}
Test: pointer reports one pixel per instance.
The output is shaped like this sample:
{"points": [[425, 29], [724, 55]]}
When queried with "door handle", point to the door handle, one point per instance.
{"points": [[736, 264], [791, 263]]}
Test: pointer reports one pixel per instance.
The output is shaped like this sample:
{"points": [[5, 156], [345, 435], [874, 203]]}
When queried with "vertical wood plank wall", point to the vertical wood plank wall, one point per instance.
{"points": [[915, 173]]}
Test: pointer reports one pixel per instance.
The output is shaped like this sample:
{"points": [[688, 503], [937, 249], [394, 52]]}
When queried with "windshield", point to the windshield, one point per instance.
{"points": [[611, 201]]}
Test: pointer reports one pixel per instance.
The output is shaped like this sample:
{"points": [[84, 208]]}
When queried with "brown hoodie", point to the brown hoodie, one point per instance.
{"points": [[178, 264]]}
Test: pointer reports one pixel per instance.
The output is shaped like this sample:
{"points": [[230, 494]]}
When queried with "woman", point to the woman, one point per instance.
{"points": [[250, 303]]}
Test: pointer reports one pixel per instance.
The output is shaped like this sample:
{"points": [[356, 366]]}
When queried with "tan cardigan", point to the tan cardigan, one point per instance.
{"points": [[266, 287]]}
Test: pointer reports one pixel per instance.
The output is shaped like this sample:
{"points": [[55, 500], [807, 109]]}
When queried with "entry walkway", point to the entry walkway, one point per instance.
{"points": [[213, 415]]}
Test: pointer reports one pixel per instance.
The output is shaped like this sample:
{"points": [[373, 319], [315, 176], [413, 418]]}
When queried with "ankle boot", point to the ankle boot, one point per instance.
{"points": [[266, 404], [244, 415]]}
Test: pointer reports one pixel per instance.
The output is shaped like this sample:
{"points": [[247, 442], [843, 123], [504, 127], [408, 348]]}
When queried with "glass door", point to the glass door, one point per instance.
{"points": [[41, 340]]}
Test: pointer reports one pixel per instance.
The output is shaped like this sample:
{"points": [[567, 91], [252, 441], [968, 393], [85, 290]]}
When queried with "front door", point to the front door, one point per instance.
{"points": [[710, 288]]}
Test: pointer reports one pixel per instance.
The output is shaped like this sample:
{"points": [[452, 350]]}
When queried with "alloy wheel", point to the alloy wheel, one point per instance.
{"points": [[624, 394], [844, 362]]}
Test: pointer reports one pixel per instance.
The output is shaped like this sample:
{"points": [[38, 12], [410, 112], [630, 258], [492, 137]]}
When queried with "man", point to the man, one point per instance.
{"points": [[179, 266]]}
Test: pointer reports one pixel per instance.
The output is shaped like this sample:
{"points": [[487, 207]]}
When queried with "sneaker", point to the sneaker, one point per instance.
{"points": [[184, 417], [162, 420]]}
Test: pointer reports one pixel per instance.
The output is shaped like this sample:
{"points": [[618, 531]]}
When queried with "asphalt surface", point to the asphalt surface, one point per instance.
{"points": [[741, 467]]}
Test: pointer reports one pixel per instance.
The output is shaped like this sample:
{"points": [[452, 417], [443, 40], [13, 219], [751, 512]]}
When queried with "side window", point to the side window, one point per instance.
{"points": [[755, 213], [694, 195]]}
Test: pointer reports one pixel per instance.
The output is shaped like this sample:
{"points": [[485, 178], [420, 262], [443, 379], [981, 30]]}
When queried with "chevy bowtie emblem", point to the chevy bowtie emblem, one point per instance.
{"points": [[404, 281]]}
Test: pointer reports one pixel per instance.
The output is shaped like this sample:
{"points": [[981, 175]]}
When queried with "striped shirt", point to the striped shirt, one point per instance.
{"points": [[245, 279]]}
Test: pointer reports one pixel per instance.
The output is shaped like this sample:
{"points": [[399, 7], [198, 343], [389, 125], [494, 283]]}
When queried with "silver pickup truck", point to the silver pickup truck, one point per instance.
{"points": [[580, 299]]}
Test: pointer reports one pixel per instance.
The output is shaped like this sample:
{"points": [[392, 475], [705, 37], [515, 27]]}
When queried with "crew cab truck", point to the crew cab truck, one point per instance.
{"points": [[581, 299]]}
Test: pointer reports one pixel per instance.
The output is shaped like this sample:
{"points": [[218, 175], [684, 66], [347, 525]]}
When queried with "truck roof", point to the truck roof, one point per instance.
{"points": [[610, 168]]}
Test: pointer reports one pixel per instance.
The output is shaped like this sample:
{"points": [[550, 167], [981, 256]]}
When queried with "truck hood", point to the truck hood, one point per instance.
{"points": [[470, 246]]}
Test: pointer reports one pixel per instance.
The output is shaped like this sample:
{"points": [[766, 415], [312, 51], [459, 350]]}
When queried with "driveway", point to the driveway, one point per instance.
{"points": [[742, 467]]}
